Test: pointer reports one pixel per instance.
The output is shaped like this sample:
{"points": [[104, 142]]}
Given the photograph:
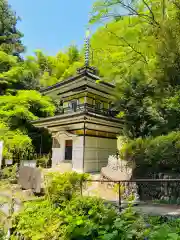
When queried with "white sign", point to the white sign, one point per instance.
{"points": [[8, 162], [28, 163], [1, 152]]}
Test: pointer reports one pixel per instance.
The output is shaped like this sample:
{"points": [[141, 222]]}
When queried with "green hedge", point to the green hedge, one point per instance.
{"points": [[162, 151]]}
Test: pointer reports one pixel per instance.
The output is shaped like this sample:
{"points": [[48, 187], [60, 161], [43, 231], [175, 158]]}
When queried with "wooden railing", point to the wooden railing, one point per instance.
{"points": [[89, 108]]}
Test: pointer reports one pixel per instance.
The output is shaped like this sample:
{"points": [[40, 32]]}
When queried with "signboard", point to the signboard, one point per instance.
{"points": [[8, 161], [1, 152], [28, 163]]}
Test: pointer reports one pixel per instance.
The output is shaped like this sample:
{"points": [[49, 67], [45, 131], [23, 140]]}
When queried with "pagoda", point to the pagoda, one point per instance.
{"points": [[85, 129]]}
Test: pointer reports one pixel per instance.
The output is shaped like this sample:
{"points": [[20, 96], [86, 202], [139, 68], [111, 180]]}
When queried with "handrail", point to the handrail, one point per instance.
{"points": [[143, 188], [133, 180], [91, 108]]}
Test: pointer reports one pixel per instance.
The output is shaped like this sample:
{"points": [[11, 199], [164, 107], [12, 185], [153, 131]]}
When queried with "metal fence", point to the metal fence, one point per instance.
{"points": [[138, 191]]}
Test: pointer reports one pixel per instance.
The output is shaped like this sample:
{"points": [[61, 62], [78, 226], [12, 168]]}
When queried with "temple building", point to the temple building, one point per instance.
{"points": [[85, 129]]}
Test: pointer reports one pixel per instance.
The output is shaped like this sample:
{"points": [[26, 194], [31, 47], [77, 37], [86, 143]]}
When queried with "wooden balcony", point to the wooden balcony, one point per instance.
{"points": [[87, 108]]}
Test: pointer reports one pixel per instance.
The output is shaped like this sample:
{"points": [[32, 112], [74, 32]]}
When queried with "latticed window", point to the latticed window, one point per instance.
{"points": [[73, 105], [98, 105]]}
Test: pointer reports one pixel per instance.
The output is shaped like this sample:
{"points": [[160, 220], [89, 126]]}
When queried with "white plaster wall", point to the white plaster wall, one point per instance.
{"points": [[97, 151], [77, 154], [56, 159], [58, 153]]}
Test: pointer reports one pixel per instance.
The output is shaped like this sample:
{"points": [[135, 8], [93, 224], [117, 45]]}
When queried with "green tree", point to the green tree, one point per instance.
{"points": [[28, 77], [53, 69], [16, 114], [137, 103], [141, 52], [25, 106], [13, 141], [144, 36], [127, 45], [14, 72], [7, 62], [17, 75], [10, 36], [73, 54]]}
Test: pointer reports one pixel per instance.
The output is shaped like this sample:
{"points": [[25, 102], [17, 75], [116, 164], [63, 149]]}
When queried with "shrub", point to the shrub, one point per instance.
{"points": [[160, 151], [9, 173], [66, 215], [62, 187], [80, 218], [38, 220], [87, 218], [2, 234], [43, 161], [131, 225]]}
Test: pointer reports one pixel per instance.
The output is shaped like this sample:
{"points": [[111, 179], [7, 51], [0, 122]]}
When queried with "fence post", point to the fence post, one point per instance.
{"points": [[81, 186], [119, 185]]}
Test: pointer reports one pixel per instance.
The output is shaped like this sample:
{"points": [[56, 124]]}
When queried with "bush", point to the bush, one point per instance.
{"points": [[9, 173], [87, 218], [131, 225], [62, 187], [160, 151], [66, 215], [38, 220], [80, 218], [2, 234], [43, 161]]}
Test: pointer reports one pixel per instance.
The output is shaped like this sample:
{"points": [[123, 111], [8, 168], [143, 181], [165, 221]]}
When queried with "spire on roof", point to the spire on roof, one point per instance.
{"points": [[87, 68], [87, 48]]}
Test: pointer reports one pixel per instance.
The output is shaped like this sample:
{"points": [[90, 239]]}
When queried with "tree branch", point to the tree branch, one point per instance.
{"points": [[131, 11], [134, 12], [129, 45], [151, 12]]}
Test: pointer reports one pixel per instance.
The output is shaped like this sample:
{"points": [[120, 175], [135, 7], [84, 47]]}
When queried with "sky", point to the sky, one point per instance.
{"points": [[52, 25]]}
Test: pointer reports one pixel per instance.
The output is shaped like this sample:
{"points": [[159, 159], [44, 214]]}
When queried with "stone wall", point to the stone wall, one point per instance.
{"points": [[157, 191], [167, 192]]}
